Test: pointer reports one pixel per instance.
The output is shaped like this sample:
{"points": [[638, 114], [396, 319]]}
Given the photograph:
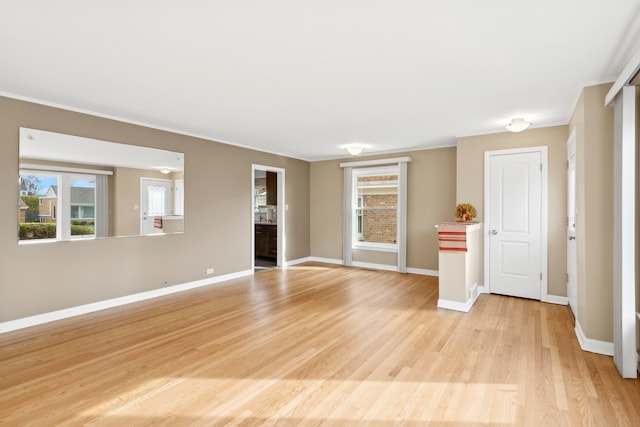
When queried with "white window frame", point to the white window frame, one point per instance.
{"points": [[67, 178], [348, 223], [359, 226], [372, 171], [62, 211]]}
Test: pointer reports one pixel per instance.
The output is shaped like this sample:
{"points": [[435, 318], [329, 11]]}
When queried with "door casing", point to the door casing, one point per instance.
{"points": [[280, 213], [144, 202], [572, 213]]}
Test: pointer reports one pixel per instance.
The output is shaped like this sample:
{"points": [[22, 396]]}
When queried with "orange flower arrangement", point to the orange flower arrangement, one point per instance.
{"points": [[465, 212]]}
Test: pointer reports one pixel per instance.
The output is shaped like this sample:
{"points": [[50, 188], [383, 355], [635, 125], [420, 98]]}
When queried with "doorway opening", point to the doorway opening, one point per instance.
{"points": [[267, 217], [156, 201]]}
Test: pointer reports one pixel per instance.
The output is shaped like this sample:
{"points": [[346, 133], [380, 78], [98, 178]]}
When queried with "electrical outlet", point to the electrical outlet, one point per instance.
{"points": [[210, 270]]}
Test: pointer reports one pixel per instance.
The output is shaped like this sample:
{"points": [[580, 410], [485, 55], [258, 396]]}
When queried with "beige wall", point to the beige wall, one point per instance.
{"points": [[593, 125], [470, 186], [431, 200], [217, 234]]}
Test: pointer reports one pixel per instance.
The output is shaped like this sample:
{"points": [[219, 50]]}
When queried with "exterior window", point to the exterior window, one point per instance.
{"points": [[157, 200], [39, 215], [375, 195], [37, 206], [82, 206]]}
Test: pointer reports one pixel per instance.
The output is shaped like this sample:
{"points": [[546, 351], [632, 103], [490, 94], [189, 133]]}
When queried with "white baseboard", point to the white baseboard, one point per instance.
{"points": [[586, 344], [297, 261], [423, 272], [461, 306], [591, 345], [555, 299], [551, 299], [474, 293], [638, 355], [373, 266], [325, 260], [52, 316], [455, 305]]}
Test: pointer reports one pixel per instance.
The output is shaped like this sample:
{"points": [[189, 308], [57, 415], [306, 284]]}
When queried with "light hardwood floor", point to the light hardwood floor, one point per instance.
{"points": [[312, 345]]}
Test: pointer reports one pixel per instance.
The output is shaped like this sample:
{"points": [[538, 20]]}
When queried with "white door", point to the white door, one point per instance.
{"points": [[514, 224], [572, 257], [155, 203]]}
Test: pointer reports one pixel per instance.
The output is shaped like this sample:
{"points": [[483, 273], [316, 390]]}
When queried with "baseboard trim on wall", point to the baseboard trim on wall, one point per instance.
{"points": [[423, 272], [52, 316], [555, 299], [474, 292], [638, 353], [591, 345], [551, 299], [296, 261], [461, 306], [373, 266], [314, 259]]}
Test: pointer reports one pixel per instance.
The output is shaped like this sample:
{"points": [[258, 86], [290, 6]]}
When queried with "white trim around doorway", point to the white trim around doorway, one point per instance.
{"points": [[543, 150], [280, 213]]}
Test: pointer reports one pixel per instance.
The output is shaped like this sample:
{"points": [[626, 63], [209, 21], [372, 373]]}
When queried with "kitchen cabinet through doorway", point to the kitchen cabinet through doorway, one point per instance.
{"points": [[266, 240]]}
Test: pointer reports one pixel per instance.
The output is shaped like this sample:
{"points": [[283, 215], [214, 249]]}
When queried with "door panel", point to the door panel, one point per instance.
{"points": [[515, 206], [515, 224], [515, 256]]}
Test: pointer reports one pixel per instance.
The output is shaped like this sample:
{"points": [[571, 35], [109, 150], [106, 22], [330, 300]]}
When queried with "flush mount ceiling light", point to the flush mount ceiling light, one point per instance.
{"points": [[518, 125], [165, 170], [355, 149]]}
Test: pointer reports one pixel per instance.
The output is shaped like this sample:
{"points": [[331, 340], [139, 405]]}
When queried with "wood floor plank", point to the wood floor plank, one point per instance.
{"points": [[312, 345]]}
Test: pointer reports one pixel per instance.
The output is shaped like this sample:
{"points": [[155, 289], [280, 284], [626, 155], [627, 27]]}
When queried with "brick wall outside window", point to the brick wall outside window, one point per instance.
{"points": [[380, 225]]}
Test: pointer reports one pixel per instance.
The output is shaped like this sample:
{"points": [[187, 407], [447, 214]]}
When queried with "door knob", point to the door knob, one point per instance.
{"points": [[572, 237], [494, 232]]}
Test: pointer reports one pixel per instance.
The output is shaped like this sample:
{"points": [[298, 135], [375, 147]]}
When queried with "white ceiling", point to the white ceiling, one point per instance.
{"points": [[303, 78]]}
